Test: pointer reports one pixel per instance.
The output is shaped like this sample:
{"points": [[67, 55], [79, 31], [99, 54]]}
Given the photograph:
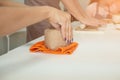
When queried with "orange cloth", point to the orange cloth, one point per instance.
{"points": [[40, 47]]}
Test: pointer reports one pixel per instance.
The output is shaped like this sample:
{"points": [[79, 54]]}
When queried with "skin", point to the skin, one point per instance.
{"points": [[112, 6], [14, 16], [76, 10]]}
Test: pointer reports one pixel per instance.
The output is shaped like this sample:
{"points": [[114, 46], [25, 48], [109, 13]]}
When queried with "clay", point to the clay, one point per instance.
{"points": [[53, 39]]}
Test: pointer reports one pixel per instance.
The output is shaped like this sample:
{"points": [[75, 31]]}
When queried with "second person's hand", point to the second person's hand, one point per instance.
{"points": [[93, 21]]}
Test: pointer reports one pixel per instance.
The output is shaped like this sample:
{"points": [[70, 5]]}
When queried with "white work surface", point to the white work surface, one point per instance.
{"points": [[96, 58]]}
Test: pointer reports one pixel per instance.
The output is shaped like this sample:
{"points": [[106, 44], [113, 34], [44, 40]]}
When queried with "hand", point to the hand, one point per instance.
{"points": [[62, 21], [93, 21]]}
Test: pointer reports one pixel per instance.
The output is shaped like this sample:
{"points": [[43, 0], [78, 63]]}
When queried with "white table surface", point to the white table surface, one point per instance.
{"points": [[96, 58]]}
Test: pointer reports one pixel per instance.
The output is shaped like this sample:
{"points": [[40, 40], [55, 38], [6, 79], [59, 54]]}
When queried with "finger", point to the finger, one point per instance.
{"points": [[63, 30], [69, 29], [70, 32], [67, 32]]}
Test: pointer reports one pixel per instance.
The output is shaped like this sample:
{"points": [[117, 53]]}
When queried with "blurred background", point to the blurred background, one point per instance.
{"points": [[18, 38]]}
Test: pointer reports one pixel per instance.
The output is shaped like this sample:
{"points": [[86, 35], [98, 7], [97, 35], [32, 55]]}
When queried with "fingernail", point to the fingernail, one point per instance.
{"points": [[65, 39], [68, 42], [72, 39]]}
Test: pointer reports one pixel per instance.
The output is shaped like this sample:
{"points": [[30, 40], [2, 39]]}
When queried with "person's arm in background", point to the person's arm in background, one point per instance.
{"points": [[76, 10], [15, 18]]}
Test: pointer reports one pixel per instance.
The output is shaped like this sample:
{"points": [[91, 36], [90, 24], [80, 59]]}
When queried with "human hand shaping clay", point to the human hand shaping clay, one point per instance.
{"points": [[62, 21]]}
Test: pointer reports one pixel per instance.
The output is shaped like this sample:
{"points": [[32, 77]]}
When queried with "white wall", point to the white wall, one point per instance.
{"points": [[18, 1]]}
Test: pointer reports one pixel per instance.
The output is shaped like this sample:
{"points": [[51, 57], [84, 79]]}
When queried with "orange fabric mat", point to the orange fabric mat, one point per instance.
{"points": [[40, 47]]}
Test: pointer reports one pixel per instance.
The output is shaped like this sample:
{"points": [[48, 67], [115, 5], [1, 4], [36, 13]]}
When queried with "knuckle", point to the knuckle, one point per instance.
{"points": [[69, 16]]}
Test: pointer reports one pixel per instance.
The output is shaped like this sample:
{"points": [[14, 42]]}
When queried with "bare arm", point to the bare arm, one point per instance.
{"points": [[15, 18], [76, 10], [11, 4]]}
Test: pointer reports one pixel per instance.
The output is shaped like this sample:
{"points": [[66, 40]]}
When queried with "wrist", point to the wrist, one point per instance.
{"points": [[50, 11]]}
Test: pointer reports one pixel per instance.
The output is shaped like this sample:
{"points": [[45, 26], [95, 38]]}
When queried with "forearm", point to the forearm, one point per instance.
{"points": [[75, 9], [11, 4], [13, 19]]}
